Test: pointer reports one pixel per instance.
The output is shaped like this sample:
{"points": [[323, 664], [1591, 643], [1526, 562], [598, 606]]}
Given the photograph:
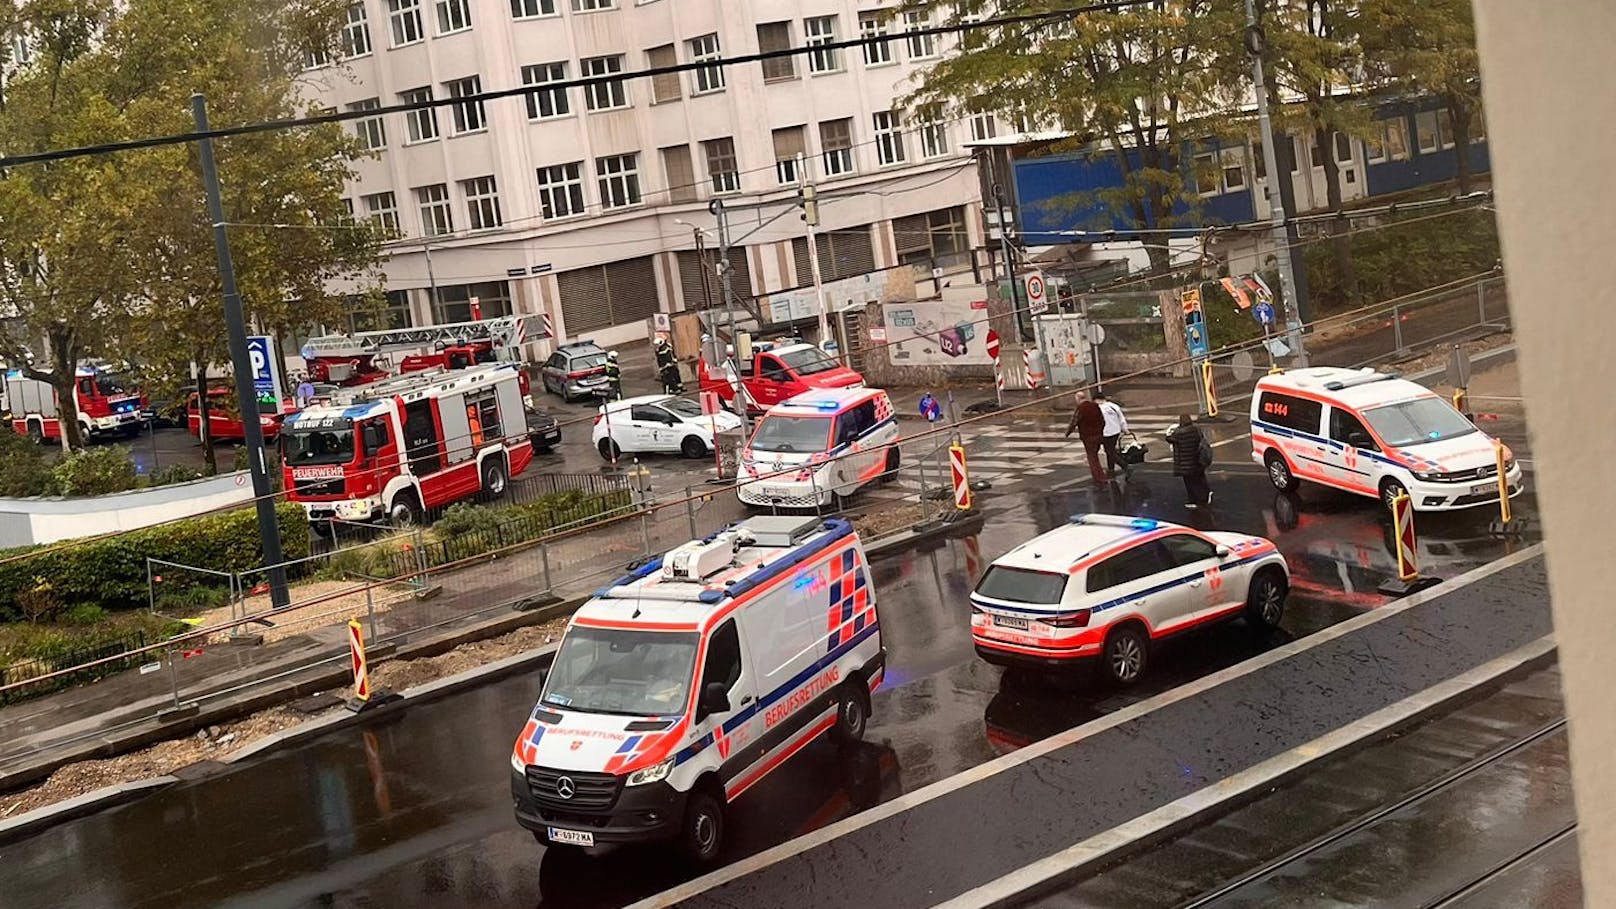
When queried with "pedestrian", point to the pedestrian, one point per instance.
{"points": [[614, 376], [1089, 422], [1192, 455], [305, 392], [1116, 423], [667, 364]]}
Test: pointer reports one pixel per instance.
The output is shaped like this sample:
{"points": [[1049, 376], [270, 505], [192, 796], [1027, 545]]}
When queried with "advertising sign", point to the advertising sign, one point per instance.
{"points": [[937, 333]]}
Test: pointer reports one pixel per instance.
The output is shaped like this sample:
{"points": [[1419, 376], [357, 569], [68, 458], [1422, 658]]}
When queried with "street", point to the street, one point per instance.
{"points": [[415, 811]]}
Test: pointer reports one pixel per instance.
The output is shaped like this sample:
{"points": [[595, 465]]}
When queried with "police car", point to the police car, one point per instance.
{"points": [[1105, 587]]}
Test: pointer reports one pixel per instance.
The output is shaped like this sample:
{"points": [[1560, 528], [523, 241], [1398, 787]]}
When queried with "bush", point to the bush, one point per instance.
{"points": [[95, 471], [111, 573], [83, 614], [1403, 259], [174, 473], [24, 471]]}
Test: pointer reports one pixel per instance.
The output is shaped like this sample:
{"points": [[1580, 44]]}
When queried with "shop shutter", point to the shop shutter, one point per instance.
{"points": [[843, 254], [912, 236], [631, 285], [585, 305], [740, 277], [681, 174]]}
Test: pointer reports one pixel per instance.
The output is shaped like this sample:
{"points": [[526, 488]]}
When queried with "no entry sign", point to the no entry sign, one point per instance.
{"points": [[993, 345]]}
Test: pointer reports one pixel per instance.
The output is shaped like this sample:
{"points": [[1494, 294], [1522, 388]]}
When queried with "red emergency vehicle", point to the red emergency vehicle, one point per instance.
{"points": [[400, 447], [107, 406], [224, 417], [777, 372], [361, 358]]}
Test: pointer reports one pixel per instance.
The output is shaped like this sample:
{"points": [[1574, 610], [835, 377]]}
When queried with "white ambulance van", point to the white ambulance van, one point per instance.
{"points": [[818, 447], [1376, 435], [679, 686]]}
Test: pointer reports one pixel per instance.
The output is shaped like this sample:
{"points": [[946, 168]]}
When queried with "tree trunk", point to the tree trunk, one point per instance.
{"points": [[1460, 113], [64, 379], [1325, 140], [204, 431]]}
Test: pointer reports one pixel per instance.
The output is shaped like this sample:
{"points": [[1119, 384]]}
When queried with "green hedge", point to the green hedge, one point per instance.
{"points": [[111, 573]]}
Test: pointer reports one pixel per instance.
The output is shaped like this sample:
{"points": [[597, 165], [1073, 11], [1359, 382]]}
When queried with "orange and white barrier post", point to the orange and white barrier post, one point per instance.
{"points": [[1026, 364], [1408, 578], [960, 476], [1211, 386], [361, 667]]}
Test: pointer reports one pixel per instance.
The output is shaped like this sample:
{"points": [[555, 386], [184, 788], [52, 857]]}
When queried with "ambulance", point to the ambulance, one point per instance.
{"points": [[679, 686], [1375, 435], [819, 447]]}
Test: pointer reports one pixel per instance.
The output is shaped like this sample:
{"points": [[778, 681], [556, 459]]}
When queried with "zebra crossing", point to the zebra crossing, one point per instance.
{"points": [[1014, 454]]}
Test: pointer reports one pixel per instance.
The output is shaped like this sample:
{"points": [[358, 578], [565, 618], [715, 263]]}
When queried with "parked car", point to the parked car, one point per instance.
{"points": [[542, 429], [658, 423], [575, 370]]}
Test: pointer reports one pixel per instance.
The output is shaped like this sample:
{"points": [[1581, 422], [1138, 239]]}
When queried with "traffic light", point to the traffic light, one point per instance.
{"points": [[808, 201]]}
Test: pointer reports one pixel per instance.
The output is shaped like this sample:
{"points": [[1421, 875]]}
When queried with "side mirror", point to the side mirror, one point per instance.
{"points": [[1358, 440], [1224, 551], [714, 699]]}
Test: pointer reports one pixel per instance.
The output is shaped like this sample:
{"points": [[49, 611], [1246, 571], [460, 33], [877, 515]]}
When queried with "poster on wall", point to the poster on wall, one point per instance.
{"points": [[937, 333]]}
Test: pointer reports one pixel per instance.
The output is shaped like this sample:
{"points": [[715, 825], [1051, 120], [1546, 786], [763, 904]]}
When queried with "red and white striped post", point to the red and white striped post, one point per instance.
{"points": [[998, 371]]}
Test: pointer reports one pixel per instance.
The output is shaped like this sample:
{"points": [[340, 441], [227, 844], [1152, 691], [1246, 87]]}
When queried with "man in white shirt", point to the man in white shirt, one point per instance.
{"points": [[1116, 423]]}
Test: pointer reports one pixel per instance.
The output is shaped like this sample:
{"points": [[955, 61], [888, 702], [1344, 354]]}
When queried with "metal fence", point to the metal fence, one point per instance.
{"points": [[30, 676]]}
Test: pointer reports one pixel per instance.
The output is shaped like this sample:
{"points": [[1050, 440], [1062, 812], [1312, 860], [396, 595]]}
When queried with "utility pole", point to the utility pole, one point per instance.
{"points": [[808, 198], [701, 259], [1278, 210], [734, 368], [433, 299], [241, 364], [1010, 277]]}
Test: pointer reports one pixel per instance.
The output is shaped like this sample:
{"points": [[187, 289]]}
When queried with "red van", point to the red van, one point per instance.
{"points": [[778, 372]]}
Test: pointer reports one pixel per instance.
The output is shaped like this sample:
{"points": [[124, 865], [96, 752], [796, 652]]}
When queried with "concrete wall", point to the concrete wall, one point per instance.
{"points": [[25, 522]]}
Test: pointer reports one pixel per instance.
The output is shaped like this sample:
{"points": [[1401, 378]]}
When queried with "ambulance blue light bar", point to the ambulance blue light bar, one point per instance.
{"points": [[1114, 520]]}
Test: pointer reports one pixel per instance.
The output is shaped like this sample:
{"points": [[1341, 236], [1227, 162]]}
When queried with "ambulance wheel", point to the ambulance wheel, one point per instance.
{"points": [[610, 450], [693, 447], [1279, 472], [1123, 659], [852, 713], [405, 510], [891, 473], [703, 833], [494, 479], [1390, 490], [1265, 600]]}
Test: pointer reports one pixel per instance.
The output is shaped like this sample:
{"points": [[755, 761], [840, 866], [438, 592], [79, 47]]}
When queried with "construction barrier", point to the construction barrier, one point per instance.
{"points": [[962, 481], [1503, 484], [1211, 387], [361, 668], [1035, 380], [1408, 568]]}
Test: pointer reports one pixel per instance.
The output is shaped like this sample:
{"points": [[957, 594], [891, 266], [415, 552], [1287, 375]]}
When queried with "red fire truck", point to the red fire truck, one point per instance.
{"points": [[400, 447], [107, 408], [358, 359], [224, 417]]}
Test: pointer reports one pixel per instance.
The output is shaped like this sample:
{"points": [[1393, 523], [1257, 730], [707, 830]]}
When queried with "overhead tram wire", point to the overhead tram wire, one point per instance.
{"points": [[226, 132]]}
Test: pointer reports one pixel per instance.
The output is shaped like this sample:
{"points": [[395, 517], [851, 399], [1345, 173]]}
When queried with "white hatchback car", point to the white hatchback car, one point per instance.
{"points": [[658, 423], [1106, 586]]}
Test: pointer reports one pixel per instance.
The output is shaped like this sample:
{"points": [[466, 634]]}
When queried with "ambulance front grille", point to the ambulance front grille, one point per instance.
{"points": [[589, 791]]}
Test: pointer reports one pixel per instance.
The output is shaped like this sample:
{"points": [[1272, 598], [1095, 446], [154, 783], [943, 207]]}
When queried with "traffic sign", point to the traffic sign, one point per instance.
{"points": [[993, 345], [1264, 313], [1458, 367], [962, 482], [266, 368], [1195, 337], [1037, 301]]}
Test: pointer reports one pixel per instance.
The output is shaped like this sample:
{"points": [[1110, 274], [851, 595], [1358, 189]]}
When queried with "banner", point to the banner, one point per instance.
{"points": [[937, 333]]}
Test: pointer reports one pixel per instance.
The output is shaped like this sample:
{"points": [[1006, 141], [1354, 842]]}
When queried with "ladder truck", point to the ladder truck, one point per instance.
{"points": [[362, 357]]}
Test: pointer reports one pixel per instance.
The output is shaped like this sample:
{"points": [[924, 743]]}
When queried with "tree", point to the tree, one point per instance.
{"points": [[1419, 46], [1136, 85]]}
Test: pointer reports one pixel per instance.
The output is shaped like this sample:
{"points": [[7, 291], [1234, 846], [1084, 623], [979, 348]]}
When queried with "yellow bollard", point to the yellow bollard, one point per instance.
{"points": [[1503, 484], [1211, 388], [1460, 400]]}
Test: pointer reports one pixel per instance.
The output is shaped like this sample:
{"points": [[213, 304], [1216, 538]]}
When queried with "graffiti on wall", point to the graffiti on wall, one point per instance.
{"points": [[937, 333]]}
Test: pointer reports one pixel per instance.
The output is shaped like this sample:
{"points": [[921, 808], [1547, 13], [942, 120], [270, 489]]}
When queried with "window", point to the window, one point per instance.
{"points": [[604, 95], [889, 144], [527, 9], [921, 47], [984, 126], [1259, 164], [723, 665], [347, 206], [819, 31], [589, 6], [404, 16], [549, 102], [482, 202], [422, 123], [933, 238], [1420, 420], [561, 190], [1296, 154], [1022, 585], [1397, 139], [1234, 168], [852, 425], [836, 141], [371, 131], [789, 143], [356, 33], [453, 16], [618, 177], [664, 87], [708, 79], [1478, 127], [775, 37], [1206, 175], [680, 173], [1425, 129], [933, 133], [1127, 567], [1344, 426], [874, 25], [1343, 148], [721, 166], [847, 252], [392, 312], [437, 219], [493, 302], [1183, 549], [1444, 127], [468, 115], [1290, 412], [315, 58], [383, 209]]}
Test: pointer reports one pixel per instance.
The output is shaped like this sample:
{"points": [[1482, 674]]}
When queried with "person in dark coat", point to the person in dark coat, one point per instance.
{"points": [[667, 363], [1089, 421], [1192, 455]]}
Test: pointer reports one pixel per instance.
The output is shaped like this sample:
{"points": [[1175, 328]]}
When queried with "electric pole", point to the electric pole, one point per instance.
{"points": [[730, 364], [808, 199], [1278, 210], [241, 364]]}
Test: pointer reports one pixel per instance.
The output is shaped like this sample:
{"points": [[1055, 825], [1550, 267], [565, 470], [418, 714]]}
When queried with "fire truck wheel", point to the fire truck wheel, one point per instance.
{"points": [[693, 447], [494, 479], [405, 510], [36, 433]]}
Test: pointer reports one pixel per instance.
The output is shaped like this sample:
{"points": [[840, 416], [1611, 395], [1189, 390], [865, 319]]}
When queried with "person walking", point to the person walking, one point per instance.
{"points": [[614, 376], [1116, 423], [1192, 455], [1089, 422], [667, 363]]}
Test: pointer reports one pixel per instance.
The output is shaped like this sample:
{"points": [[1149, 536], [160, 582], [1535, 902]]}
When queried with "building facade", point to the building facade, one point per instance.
{"points": [[583, 203]]}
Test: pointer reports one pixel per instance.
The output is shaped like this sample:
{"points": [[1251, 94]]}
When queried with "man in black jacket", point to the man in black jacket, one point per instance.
{"points": [[1192, 455]]}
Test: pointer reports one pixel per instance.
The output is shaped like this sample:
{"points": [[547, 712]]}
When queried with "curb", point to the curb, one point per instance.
{"points": [[89, 803], [1139, 835]]}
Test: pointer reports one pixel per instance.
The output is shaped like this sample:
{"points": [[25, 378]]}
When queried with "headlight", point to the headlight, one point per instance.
{"points": [[1509, 464], [1430, 476], [516, 763], [654, 774]]}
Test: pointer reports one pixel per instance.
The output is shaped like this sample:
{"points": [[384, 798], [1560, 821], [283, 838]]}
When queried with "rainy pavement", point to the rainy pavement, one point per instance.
{"points": [[415, 810]]}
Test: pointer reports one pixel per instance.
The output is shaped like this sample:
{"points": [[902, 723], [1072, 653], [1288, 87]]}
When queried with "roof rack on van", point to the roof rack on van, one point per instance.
{"points": [[1355, 381]]}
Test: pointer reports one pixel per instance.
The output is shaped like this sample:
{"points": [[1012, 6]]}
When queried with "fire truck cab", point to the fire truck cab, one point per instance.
{"points": [[401, 447], [106, 407]]}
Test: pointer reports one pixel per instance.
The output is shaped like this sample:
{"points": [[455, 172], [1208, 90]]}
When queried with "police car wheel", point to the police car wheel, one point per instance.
{"points": [[693, 447], [1279, 473], [1123, 658], [1265, 600], [703, 827], [852, 715]]}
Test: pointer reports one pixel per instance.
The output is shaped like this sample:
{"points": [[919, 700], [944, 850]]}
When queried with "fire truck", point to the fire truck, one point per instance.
{"points": [[400, 447], [360, 358], [107, 408]]}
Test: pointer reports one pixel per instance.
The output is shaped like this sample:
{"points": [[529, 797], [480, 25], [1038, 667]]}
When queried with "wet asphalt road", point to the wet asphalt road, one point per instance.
{"points": [[415, 811]]}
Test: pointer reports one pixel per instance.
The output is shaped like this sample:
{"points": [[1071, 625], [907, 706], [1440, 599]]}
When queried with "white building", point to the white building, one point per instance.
{"points": [[568, 201]]}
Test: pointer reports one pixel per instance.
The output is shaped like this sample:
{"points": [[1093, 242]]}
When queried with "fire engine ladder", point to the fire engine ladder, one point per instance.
{"points": [[415, 381], [505, 333]]}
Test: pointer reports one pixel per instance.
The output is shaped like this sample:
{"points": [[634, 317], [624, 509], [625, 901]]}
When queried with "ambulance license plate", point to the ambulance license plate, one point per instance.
{"points": [[572, 837], [1483, 487], [1010, 621], [775, 492]]}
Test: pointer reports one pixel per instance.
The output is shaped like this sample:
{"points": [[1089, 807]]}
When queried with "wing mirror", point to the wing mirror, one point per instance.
{"points": [[1358, 440], [1224, 552], [714, 699]]}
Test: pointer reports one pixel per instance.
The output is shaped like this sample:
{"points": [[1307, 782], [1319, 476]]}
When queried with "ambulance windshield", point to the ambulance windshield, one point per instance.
{"points": [[1418, 421], [792, 434], [633, 673]]}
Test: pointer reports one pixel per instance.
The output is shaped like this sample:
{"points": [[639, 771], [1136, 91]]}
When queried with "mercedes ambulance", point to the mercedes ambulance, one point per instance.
{"points": [[1376, 435], [819, 447], [679, 686]]}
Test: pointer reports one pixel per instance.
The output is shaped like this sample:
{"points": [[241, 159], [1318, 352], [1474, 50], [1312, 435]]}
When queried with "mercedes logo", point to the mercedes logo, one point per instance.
{"points": [[566, 788]]}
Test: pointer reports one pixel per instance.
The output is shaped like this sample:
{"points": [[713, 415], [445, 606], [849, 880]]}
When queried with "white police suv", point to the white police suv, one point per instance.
{"points": [[1106, 586]]}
